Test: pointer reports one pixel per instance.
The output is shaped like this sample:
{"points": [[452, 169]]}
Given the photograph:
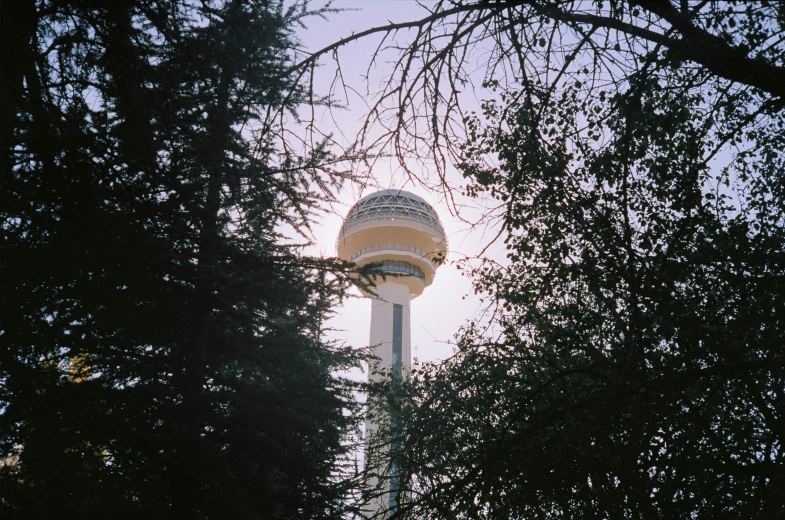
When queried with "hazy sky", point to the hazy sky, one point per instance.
{"points": [[449, 301]]}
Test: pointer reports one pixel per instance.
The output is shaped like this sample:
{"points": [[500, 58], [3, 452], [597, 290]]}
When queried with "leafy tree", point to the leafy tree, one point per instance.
{"points": [[633, 367], [633, 364], [163, 344]]}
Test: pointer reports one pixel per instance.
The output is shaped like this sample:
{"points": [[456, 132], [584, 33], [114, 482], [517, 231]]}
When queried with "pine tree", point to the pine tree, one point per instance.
{"points": [[163, 351]]}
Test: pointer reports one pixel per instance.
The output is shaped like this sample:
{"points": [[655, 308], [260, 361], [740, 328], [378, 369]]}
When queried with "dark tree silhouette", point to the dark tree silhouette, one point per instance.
{"points": [[163, 351], [632, 365]]}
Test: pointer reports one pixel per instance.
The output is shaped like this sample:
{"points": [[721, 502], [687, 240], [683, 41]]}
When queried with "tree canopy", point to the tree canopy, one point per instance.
{"points": [[632, 365], [163, 347]]}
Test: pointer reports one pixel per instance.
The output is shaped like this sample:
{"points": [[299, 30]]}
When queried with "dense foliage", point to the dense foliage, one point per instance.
{"points": [[632, 365], [163, 353]]}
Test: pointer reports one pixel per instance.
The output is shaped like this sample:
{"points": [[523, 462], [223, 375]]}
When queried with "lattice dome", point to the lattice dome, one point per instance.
{"points": [[395, 204]]}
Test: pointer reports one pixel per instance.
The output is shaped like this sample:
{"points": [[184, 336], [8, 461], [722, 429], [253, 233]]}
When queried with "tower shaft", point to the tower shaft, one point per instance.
{"points": [[391, 339], [390, 325]]}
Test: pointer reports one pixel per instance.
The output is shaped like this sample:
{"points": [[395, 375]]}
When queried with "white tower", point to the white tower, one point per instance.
{"points": [[403, 233]]}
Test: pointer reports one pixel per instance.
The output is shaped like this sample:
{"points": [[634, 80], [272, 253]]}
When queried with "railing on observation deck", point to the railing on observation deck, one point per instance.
{"points": [[415, 216]]}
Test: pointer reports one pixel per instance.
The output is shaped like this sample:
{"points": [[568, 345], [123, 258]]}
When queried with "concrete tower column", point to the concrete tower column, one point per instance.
{"points": [[391, 340], [394, 299]]}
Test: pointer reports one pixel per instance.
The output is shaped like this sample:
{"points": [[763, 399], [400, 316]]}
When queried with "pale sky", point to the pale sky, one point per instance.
{"points": [[449, 302]]}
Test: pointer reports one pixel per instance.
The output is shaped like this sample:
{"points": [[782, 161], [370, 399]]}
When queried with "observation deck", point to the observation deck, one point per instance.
{"points": [[401, 231]]}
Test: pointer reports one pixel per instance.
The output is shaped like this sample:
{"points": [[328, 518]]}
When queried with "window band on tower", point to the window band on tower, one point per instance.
{"points": [[397, 340], [397, 370], [400, 266]]}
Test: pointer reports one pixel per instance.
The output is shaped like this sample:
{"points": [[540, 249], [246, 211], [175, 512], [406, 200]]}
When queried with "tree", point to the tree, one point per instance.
{"points": [[632, 367], [460, 44], [163, 345]]}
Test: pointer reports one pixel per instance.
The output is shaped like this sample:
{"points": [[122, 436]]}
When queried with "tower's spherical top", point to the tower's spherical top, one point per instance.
{"points": [[397, 230]]}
